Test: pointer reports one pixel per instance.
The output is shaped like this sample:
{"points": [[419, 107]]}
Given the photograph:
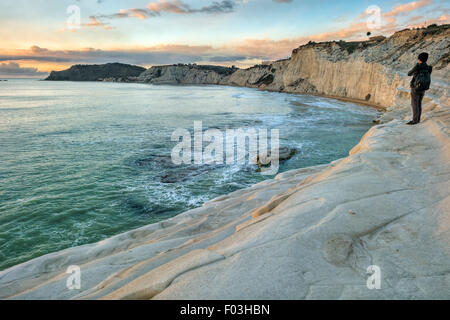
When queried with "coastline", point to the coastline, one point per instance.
{"points": [[309, 233], [353, 100], [322, 95]]}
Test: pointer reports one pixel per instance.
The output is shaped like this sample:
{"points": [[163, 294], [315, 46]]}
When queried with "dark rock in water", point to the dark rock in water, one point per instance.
{"points": [[162, 161], [172, 173], [185, 173], [110, 72], [284, 153]]}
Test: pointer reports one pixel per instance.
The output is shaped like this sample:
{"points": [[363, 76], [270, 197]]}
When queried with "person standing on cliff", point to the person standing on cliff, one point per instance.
{"points": [[420, 82]]}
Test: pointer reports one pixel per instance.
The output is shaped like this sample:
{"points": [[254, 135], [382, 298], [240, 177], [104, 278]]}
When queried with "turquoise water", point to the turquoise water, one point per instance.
{"points": [[81, 162]]}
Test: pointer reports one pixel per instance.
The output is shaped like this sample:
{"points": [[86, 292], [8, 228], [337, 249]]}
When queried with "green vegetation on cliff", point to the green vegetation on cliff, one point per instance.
{"points": [[96, 72]]}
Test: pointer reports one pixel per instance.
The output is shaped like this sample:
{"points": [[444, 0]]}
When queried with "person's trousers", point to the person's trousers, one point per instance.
{"points": [[416, 104]]}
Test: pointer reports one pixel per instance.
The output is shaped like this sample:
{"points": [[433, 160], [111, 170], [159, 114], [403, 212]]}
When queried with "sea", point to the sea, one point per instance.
{"points": [[83, 161]]}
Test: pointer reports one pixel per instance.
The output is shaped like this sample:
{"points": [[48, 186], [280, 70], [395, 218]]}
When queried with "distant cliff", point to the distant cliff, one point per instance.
{"points": [[186, 74], [103, 72], [371, 72]]}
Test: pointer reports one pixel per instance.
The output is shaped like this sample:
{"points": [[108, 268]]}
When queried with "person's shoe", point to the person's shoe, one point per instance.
{"points": [[411, 123]]}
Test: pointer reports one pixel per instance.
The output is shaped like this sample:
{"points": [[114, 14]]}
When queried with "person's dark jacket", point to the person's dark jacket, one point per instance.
{"points": [[415, 71]]}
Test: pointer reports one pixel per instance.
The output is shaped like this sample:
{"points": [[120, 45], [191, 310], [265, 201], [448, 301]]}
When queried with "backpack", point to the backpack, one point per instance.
{"points": [[423, 80]]}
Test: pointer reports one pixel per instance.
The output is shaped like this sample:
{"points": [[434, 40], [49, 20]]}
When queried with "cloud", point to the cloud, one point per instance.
{"points": [[178, 6], [403, 9], [278, 49], [443, 19], [94, 23], [389, 22], [173, 6], [132, 13], [160, 54], [36, 49], [241, 52], [224, 6], [155, 9], [390, 17], [341, 18], [13, 69]]}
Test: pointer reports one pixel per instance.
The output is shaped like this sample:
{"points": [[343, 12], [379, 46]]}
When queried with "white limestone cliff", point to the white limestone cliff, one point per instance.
{"points": [[369, 71]]}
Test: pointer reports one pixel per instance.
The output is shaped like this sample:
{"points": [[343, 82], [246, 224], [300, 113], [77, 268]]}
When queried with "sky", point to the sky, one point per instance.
{"points": [[38, 36]]}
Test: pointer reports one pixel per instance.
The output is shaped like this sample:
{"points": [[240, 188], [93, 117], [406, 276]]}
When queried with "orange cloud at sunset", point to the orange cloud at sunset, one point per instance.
{"points": [[94, 22], [134, 13], [407, 7], [174, 6]]}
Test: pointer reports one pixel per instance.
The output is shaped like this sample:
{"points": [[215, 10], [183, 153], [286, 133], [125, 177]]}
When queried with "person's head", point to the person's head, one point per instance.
{"points": [[423, 57]]}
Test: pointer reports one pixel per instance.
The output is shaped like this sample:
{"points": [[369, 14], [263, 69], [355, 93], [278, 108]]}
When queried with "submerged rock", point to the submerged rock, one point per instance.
{"points": [[173, 173], [284, 153], [156, 160], [184, 173]]}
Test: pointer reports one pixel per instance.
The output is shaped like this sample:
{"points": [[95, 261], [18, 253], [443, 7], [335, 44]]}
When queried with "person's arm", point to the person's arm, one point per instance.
{"points": [[431, 69], [412, 71]]}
